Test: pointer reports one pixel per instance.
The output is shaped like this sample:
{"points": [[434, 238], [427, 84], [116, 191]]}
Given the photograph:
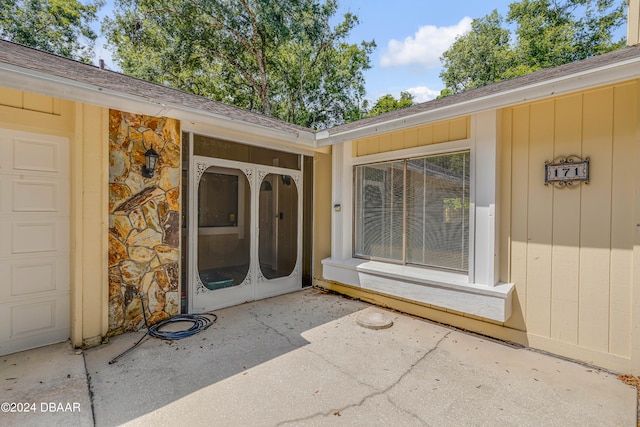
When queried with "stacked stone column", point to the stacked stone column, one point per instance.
{"points": [[144, 221]]}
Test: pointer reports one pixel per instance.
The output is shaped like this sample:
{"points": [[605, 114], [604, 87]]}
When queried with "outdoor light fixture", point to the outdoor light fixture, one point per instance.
{"points": [[150, 161], [286, 179]]}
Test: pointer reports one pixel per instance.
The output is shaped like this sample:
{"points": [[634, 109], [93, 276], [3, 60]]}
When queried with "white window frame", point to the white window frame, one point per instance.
{"points": [[462, 146], [478, 292]]}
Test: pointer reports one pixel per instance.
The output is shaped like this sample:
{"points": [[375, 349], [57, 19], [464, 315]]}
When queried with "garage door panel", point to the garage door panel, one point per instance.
{"points": [[34, 247], [35, 323], [33, 278], [35, 237], [6, 148], [38, 276], [36, 155], [33, 318], [29, 276], [35, 196]]}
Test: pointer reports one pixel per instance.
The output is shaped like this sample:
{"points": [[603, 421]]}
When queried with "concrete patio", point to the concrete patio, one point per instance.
{"points": [[304, 359]]}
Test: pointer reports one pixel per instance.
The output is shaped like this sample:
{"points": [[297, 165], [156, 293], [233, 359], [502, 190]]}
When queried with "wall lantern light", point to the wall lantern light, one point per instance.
{"points": [[150, 161], [286, 179]]}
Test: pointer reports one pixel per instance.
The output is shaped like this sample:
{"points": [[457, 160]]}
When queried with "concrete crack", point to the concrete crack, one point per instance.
{"points": [[329, 362], [375, 394], [411, 414], [255, 316], [89, 388]]}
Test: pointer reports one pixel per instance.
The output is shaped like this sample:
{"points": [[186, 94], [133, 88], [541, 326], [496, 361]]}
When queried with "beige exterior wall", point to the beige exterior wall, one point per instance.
{"points": [[433, 133], [571, 253], [87, 129], [321, 210]]}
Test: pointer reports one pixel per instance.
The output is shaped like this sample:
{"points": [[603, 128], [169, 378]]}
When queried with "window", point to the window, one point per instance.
{"points": [[218, 200], [414, 211], [222, 197]]}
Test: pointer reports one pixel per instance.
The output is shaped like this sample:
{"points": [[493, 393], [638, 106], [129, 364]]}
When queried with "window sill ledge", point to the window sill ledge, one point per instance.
{"points": [[438, 288]]}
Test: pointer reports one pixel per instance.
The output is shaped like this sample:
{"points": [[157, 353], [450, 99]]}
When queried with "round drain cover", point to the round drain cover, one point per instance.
{"points": [[374, 320]]}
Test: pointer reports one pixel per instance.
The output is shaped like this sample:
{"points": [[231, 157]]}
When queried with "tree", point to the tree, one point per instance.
{"points": [[547, 33], [479, 57], [387, 103], [56, 26], [282, 59]]}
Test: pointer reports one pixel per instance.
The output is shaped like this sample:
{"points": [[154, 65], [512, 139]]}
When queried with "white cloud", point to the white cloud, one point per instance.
{"points": [[423, 94], [426, 46]]}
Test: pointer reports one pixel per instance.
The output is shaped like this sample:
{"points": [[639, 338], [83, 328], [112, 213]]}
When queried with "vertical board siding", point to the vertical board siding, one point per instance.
{"points": [[385, 143], [29, 101], [519, 211], [571, 250], [441, 132], [565, 258], [595, 231], [540, 227], [37, 102], [505, 195], [451, 130], [622, 225], [425, 135], [411, 138], [10, 97], [458, 129]]}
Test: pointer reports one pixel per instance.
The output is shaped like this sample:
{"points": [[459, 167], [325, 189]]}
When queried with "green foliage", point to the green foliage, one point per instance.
{"points": [[387, 103], [547, 33], [481, 56], [282, 59], [56, 26]]}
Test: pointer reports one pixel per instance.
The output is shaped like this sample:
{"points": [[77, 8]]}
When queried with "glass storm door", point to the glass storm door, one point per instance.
{"points": [[247, 239]]}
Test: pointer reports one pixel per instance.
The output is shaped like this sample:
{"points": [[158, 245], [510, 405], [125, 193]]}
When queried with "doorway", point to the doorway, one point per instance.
{"points": [[246, 240]]}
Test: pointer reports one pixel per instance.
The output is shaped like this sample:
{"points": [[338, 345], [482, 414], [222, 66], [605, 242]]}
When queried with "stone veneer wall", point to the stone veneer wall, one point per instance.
{"points": [[144, 221]]}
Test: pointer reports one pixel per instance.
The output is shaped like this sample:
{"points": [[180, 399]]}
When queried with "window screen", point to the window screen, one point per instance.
{"points": [[415, 211]]}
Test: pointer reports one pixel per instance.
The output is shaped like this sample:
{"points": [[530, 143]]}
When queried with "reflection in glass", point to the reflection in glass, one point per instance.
{"points": [[438, 211], [379, 210], [224, 245], [218, 201], [278, 221]]}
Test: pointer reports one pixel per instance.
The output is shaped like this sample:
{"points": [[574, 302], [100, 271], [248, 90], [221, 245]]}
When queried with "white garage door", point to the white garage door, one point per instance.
{"points": [[34, 240]]}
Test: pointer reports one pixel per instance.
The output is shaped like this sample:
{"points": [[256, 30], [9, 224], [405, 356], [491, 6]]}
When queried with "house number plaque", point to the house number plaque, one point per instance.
{"points": [[566, 172]]}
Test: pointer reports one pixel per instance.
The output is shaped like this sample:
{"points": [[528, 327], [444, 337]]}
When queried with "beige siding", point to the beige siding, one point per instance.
{"points": [[566, 231], [11, 97], [86, 128], [451, 130], [622, 212], [571, 250], [519, 211], [322, 209], [92, 124], [29, 101]]}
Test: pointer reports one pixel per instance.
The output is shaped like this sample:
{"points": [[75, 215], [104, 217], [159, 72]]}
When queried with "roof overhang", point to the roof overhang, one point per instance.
{"points": [[502, 95], [587, 79], [20, 78]]}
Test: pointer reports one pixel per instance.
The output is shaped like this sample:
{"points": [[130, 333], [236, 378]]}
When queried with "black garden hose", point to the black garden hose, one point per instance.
{"points": [[200, 322]]}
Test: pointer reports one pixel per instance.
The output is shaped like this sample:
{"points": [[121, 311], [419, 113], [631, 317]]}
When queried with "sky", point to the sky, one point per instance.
{"points": [[411, 35]]}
